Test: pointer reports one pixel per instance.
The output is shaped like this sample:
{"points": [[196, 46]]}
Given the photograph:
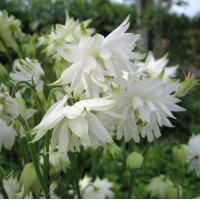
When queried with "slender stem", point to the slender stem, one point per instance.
{"points": [[34, 156], [51, 95], [24, 155], [32, 88], [76, 181], [131, 184], [46, 161], [3, 191]]}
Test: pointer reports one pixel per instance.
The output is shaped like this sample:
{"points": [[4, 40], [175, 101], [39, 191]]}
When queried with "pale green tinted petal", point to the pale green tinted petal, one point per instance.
{"points": [[63, 137], [79, 126]]}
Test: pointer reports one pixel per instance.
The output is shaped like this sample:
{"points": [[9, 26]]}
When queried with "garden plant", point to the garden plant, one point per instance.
{"points": [[83, 115]]}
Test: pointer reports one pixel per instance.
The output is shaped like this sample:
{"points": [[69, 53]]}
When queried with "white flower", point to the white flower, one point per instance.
{"points": [[75, 125], [69, 33], [11, 186], [84, 182], [99, 189], [59, 160], [8, 107], [97, 59], [152, 68], [145, 105], [159, 185], [7, 135], [28, 70], [193, 151]]}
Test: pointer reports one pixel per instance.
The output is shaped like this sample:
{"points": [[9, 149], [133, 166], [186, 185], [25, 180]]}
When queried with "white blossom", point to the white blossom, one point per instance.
{"points": [[194, 153], [70, 33], [28, 70], [75, 125], [95, 60], [159, 185], [152, 68], [145, 105], [99, 189]]}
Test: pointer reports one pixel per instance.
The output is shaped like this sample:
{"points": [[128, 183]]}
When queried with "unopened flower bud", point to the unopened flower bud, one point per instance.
{"points": [[29, 180], [21, 106], [187, 85], [112, 150], [134, 160], [179, 154], [174, 192], [2, 173]]}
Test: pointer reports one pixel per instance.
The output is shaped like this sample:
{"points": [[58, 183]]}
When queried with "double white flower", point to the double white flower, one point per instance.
{"points": [[194, 153], [75, 125], [28, 70], [145, 105], [97, 59]]}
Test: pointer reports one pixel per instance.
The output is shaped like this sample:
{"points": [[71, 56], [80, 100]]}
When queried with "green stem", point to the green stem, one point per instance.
{"points": [[46, 161], [3, 191], [24, 154], [34, 155], [51, 95], [131, 184], [7, 52], [32, 88], [76, 182]]}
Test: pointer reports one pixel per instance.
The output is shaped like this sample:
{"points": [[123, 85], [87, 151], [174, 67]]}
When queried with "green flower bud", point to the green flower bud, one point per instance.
{"points": [[174, 192], [134, 160], [21, 106], [112, 150], [30, 180], [2, 173], [179, 154]]}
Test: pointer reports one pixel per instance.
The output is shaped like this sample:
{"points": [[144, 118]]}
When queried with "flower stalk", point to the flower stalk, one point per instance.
{"points": [[34, 156]]}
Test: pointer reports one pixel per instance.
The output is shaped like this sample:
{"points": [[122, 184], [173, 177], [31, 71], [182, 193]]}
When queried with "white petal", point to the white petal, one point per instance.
{"points": [[79, 126]]}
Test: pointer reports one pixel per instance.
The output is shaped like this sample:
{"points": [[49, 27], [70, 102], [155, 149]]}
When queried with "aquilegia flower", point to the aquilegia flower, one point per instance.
{"points": [[97, 59], [28, 70], [8, 107], [75, 125], [69, 33], [145, 105], [159, 185], [194, 153], [152, 68], [99, 189]]}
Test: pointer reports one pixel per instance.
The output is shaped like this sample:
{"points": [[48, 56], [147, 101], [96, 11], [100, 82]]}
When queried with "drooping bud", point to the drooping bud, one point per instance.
{"points": [[29, 180], [112, 150], [2, 173], [134, 160], [179, 154], [174, 192]]}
